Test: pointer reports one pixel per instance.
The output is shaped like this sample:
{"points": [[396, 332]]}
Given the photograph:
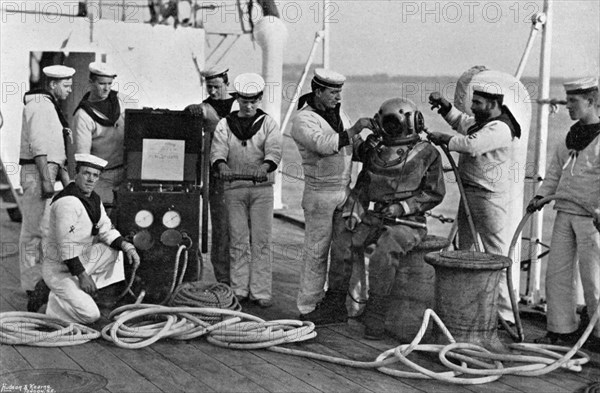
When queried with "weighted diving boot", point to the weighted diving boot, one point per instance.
{"points": [[331, 310], [374, 317]]}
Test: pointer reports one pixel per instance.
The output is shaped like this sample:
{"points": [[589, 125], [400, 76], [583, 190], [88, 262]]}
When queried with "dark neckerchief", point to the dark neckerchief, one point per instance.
{"points": [[331, 116], [222, 107], [581, 135], [110, 108], [245, 128], [506, 117], [91, 203], [61, 116]]}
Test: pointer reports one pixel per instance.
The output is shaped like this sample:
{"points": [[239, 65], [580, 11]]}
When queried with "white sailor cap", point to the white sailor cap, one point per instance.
{"points": [[249, 85], [488, 90], [58, 72], [215, 72], [102, 69], [90, 161], [581, 86], [328, 78]]}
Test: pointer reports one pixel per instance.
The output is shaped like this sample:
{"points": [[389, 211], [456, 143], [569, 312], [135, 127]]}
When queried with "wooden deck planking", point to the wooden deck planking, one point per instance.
{"points": [[211, 372], [163, 373], [95, 357], [370, 379], [12, 360], [274, 379], [312, 372]]}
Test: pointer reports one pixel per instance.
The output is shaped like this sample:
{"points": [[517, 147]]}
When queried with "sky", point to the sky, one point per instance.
{"points": [[435, 38]]}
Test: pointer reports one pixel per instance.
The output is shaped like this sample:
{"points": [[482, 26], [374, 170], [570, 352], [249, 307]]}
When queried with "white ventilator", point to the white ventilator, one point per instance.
{"points": [[271, 34]]}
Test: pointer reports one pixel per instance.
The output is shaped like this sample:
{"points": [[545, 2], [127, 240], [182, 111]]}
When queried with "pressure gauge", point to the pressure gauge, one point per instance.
{"points": [[144, 219], [171, 219]]}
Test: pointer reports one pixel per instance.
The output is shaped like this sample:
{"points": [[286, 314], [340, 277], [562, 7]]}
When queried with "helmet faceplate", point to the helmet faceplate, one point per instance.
{"points": [[400, 121]]}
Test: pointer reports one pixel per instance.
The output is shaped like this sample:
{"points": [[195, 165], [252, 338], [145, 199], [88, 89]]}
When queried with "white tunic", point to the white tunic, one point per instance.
{"points": [[69, 236]]}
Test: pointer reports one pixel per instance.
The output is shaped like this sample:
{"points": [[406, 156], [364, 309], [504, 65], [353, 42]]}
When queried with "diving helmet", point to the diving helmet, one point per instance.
{"points": [[399, 121]]}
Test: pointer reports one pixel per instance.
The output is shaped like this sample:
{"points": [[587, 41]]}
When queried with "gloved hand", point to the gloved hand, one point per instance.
{"points": [[439, 138], [350, 223], [534, 204], [393, 211], [437, 101]]}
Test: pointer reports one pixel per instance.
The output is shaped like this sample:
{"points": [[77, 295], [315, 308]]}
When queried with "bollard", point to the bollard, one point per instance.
{"points": [[466, 295], [413, 290]]}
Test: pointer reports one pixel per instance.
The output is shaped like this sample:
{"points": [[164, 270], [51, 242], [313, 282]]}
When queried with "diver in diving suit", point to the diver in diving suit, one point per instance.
{"points": [[401, 179]]}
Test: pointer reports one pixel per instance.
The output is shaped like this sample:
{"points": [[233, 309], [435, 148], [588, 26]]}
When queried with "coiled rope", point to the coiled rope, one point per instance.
{"points": [[199, 294], [40, 330], [137, 326]]}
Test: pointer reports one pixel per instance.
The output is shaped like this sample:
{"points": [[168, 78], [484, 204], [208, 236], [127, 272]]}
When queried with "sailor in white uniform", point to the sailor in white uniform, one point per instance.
{"points": [[82, 249]]}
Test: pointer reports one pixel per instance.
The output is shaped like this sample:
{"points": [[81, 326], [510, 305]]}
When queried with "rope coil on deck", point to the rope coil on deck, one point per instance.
{"points": [[40, 330], [137, 326]]}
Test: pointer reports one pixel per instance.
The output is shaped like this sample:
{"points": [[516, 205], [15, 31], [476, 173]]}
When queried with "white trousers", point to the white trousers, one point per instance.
{"points": [[318, 218], [493, 226], [67, 301], [36, 215], [575, 243]]}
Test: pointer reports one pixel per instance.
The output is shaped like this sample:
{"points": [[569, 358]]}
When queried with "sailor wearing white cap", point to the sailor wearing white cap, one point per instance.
{"points": [[485, 142], [218, 105], [98, 125], [574, 171], [248, 142], [323, 134], [82, 247], [43, 160]]}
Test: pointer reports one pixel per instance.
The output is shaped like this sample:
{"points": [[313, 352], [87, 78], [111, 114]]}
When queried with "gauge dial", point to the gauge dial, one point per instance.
{"points": [[171, 219], [144, 218]]}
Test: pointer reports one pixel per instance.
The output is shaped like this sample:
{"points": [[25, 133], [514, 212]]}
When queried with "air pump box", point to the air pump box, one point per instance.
{"points": [[158, 207]]}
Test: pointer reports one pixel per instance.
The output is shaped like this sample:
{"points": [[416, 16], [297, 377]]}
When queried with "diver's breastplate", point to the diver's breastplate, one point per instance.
{"points": [[391, 172]]}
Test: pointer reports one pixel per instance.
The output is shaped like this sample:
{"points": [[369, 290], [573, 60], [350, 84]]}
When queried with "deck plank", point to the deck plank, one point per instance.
{"points": [[274, 379], [209, 371], [368, 378], [42, 357], [12, 360], [312, 373], [95, 357], [166, 375]]}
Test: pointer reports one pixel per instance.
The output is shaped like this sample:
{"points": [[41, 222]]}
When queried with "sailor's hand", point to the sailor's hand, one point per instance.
{"points": [[132, 256], [86, 284], [439, 138], [47, 189], [260, 173], [67, 133], [394, 210], [596, 220], [535, 205], [195, 109], [225, 172], [361, 124], [63, 175], [437, 101]]}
